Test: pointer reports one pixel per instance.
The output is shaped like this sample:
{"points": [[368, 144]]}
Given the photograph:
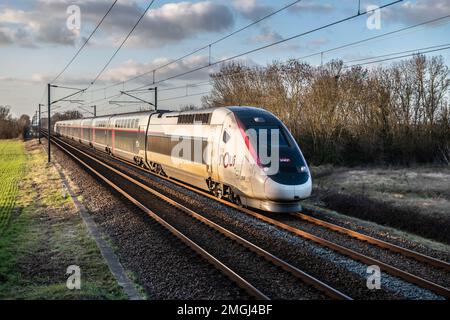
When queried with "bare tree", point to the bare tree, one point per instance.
{"points": [[390, 114]]}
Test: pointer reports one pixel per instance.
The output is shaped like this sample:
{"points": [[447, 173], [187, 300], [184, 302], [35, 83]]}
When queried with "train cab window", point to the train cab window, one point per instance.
{"points": [[226, 137]]}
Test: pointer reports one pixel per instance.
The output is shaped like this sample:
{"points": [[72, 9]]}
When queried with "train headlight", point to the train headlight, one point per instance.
{"points": [[303, 169]]}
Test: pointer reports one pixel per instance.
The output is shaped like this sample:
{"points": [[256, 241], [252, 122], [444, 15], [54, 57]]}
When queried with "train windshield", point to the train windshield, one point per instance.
{"points": [[273, 146], [278, 154], [268, 137]]}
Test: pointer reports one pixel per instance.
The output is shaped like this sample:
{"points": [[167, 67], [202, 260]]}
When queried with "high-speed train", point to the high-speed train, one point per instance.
{"points": [[244, 154]]}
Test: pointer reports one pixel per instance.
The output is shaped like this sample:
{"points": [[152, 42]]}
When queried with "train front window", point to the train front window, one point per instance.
{"points": [[264, 136]]}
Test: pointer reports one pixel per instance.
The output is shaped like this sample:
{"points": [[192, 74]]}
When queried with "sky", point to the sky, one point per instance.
{"points": [[39, 37]]}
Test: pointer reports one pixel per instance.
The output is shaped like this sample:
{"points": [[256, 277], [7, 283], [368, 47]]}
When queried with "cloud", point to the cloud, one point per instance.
{"points": [[317, 43], [42, 24], [132, 68], [266, 36], [45, 22], [314, 7], [411, 12], [177, 21], [251, 9], [5, 39]]}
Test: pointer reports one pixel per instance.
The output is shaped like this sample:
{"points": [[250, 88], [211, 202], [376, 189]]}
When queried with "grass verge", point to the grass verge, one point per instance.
{"points": [[45, 237]]}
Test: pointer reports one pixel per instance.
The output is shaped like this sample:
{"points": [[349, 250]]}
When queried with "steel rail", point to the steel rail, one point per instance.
{"points": [[354, 234], [303, 276], [443, 291], [240, 281], [380, 243]]}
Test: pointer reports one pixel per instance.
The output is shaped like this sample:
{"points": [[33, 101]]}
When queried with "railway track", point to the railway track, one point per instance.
{"points": [[319, 222], [440, 290], [105, 174]]}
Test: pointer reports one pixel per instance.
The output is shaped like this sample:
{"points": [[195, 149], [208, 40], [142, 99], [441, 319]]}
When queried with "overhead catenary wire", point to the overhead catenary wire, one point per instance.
{"points": [[401, 53], [85, 42], [267, 16], [300, 58], [414, 51], [123, 42], [271, 45], [398, 57], [208, 82], [121, 45]]}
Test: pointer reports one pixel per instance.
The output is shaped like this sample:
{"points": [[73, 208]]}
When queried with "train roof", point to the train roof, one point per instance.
{"points": [[243, 112]]}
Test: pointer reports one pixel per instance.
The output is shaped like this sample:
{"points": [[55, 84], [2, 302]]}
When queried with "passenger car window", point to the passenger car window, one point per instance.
{"points": [[226, 137]]}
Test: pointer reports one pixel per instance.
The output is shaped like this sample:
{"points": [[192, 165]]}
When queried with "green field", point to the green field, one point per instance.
{"points": [[12, 162]]}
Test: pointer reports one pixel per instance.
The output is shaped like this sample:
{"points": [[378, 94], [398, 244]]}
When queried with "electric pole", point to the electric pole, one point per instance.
{"points": [[49, 125], [39, 123], [156, 99]]}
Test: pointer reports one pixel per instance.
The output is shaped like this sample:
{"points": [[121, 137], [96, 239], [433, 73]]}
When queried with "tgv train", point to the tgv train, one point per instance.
{"points": [[244, 154]]}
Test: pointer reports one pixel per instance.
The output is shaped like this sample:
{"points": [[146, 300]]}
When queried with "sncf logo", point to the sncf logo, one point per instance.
{"points": [[228, 161]]}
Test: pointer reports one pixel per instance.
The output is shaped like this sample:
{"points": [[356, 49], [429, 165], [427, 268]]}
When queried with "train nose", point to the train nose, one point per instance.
{"points": [[279, 192]]}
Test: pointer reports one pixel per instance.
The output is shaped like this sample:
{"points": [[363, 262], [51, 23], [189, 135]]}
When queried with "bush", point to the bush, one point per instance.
{"points": [[11, 128]]}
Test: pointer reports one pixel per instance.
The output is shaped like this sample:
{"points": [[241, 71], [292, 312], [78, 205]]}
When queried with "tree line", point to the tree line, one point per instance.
{"points": [[10, 127], [395, 114]]}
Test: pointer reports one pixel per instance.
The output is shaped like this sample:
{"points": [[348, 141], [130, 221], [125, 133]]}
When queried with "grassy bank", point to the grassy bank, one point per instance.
{"points": [[415, 200], [12, 161], [44, 234]]}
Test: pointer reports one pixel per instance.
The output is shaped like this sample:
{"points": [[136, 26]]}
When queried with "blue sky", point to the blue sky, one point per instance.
{"points": [[35, 43]]}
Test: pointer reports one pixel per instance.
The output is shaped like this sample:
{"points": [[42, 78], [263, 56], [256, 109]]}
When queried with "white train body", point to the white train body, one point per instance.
{"points": [[228, 151]]}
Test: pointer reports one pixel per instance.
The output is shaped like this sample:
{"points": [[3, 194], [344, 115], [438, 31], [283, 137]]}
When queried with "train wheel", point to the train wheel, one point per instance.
{"points": [[237, 201], [218, 192]]}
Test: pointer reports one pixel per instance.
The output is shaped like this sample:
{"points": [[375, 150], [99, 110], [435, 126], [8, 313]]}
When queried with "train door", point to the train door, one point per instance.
{"points": [[134, 136], [140, 142], [109, 133], [214, 152], [226, 157]]}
